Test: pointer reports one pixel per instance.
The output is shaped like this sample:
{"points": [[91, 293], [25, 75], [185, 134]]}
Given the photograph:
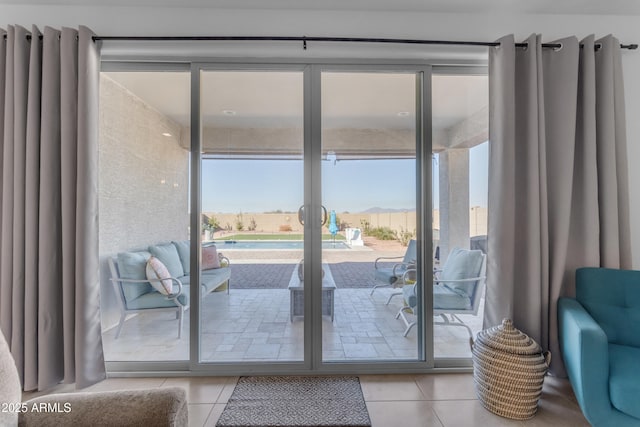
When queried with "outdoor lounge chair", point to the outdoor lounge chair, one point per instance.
{"points": [[392, 276], [457, 289]]}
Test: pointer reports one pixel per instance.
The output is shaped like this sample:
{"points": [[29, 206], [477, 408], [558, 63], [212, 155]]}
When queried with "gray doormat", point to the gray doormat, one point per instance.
{"points": [[294, 401]]}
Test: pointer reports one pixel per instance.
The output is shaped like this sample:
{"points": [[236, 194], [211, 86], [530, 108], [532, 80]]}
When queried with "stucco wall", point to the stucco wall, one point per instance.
{"points": [[272, 222], [143, 181]]}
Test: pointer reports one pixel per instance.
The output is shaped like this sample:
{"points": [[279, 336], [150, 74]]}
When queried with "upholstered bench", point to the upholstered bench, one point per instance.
{"points": [[136, 292]]}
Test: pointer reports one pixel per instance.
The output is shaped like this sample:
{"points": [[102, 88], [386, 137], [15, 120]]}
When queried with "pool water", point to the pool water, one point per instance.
{"points": [[274, 244]]}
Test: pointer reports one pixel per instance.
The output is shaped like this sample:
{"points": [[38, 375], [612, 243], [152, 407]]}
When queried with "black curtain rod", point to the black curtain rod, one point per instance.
{"points": [[305, 39]]}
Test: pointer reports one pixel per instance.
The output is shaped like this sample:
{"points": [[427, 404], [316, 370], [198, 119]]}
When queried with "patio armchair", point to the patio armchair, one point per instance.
{"points": [[457, 289], [385, 275]]}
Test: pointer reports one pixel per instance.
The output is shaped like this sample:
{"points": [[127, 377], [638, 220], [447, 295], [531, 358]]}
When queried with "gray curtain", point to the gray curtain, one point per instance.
{"points": [[49, 281], [558, 185]]}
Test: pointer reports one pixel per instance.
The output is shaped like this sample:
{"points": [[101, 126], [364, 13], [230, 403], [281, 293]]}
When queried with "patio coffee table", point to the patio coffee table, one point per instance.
{"points": [[296, 293]]}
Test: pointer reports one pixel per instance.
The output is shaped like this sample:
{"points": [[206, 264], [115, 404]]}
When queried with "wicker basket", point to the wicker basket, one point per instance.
{"points": [[508, 371]]}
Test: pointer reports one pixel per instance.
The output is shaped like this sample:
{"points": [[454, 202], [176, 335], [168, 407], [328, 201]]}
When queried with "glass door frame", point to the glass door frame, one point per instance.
{"points": [[312, 155], [239, 367], [425, 349], [312, 69]]}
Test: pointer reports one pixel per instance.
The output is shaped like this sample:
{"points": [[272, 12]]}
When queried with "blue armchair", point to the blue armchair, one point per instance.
{"points": [[600, 344]]}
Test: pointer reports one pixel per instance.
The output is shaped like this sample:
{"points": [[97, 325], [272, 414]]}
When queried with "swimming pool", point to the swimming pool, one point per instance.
{"points": [[275, 244]]}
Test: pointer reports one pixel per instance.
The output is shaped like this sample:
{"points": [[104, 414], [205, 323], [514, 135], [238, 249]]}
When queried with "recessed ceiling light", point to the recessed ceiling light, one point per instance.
{"points": [[403, 113], [167, 134], [229, 112]]}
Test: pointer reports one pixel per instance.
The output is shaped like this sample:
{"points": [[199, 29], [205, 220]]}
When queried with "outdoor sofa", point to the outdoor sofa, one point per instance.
{"points": [[135, 292]]}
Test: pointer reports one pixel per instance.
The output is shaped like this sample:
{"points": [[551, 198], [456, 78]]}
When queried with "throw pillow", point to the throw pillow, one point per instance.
{"points": [[159, 276], [210, 258]]}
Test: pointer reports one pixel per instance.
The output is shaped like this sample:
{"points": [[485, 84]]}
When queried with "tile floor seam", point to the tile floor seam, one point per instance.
{"points": [[435, 414], [206, 420]]}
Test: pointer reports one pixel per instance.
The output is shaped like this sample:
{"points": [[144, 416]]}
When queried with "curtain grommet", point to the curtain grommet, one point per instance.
{"points": [[559, 48]]}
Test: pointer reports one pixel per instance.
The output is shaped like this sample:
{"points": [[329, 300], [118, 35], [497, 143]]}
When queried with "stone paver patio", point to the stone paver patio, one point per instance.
{"points": [[252, 322]]}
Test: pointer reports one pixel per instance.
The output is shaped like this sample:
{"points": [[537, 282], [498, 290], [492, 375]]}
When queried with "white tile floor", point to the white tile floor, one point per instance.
{"points": [[254, 325], [424, 400]]}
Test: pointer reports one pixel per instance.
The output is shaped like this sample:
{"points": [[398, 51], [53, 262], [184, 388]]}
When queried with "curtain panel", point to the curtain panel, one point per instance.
{"points": [[49, 271], [558, 185]]}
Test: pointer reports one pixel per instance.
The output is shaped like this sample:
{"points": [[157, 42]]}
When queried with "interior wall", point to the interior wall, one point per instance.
{"points": [[195, 21]]}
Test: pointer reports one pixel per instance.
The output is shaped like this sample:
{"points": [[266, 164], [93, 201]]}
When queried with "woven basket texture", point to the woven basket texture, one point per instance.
{"points": [[508, 371]]}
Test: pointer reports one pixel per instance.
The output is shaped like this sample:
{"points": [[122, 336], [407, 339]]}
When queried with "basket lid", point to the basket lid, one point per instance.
{"points": [[507, 338]]}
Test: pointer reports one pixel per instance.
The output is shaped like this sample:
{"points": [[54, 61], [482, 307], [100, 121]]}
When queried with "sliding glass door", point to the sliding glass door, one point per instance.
{"points": [[252, 176], [309, 192], [303, 191], [370, 173]]}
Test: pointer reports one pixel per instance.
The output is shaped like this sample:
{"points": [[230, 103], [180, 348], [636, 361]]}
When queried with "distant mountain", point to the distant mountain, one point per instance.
{"points": [[377, 209]]}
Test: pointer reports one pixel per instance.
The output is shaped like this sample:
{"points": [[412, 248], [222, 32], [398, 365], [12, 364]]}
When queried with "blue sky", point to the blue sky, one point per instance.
{"points": [[233, 186]]}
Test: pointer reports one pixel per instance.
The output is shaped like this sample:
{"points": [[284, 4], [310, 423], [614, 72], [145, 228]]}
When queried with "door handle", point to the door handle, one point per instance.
{"points": [[323, 220]]}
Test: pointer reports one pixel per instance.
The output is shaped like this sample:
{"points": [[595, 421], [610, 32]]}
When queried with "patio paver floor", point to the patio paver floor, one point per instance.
{"points": [[254, 325]]}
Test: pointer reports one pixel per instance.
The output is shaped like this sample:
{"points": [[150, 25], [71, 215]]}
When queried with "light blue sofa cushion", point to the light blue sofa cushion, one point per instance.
{"points": [[210, 279], [409, 294], [131, 265], [184, 251], [155, 299], [461, 264], [168, 255], [445, 298], [612, 298], [624, 379]]}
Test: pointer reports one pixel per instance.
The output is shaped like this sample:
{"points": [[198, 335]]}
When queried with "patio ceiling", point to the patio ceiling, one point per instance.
{"points": [[364, 115], [611, 7]]}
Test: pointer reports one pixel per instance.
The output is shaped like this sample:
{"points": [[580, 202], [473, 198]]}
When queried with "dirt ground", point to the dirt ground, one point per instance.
{"points": [[383, 245]]}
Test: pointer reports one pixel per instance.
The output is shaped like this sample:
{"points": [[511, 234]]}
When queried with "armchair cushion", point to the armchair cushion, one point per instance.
{"points": [[410, 297], [461, 264], [445, 298], [624, 379], [168, 254], [131, 265]]}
